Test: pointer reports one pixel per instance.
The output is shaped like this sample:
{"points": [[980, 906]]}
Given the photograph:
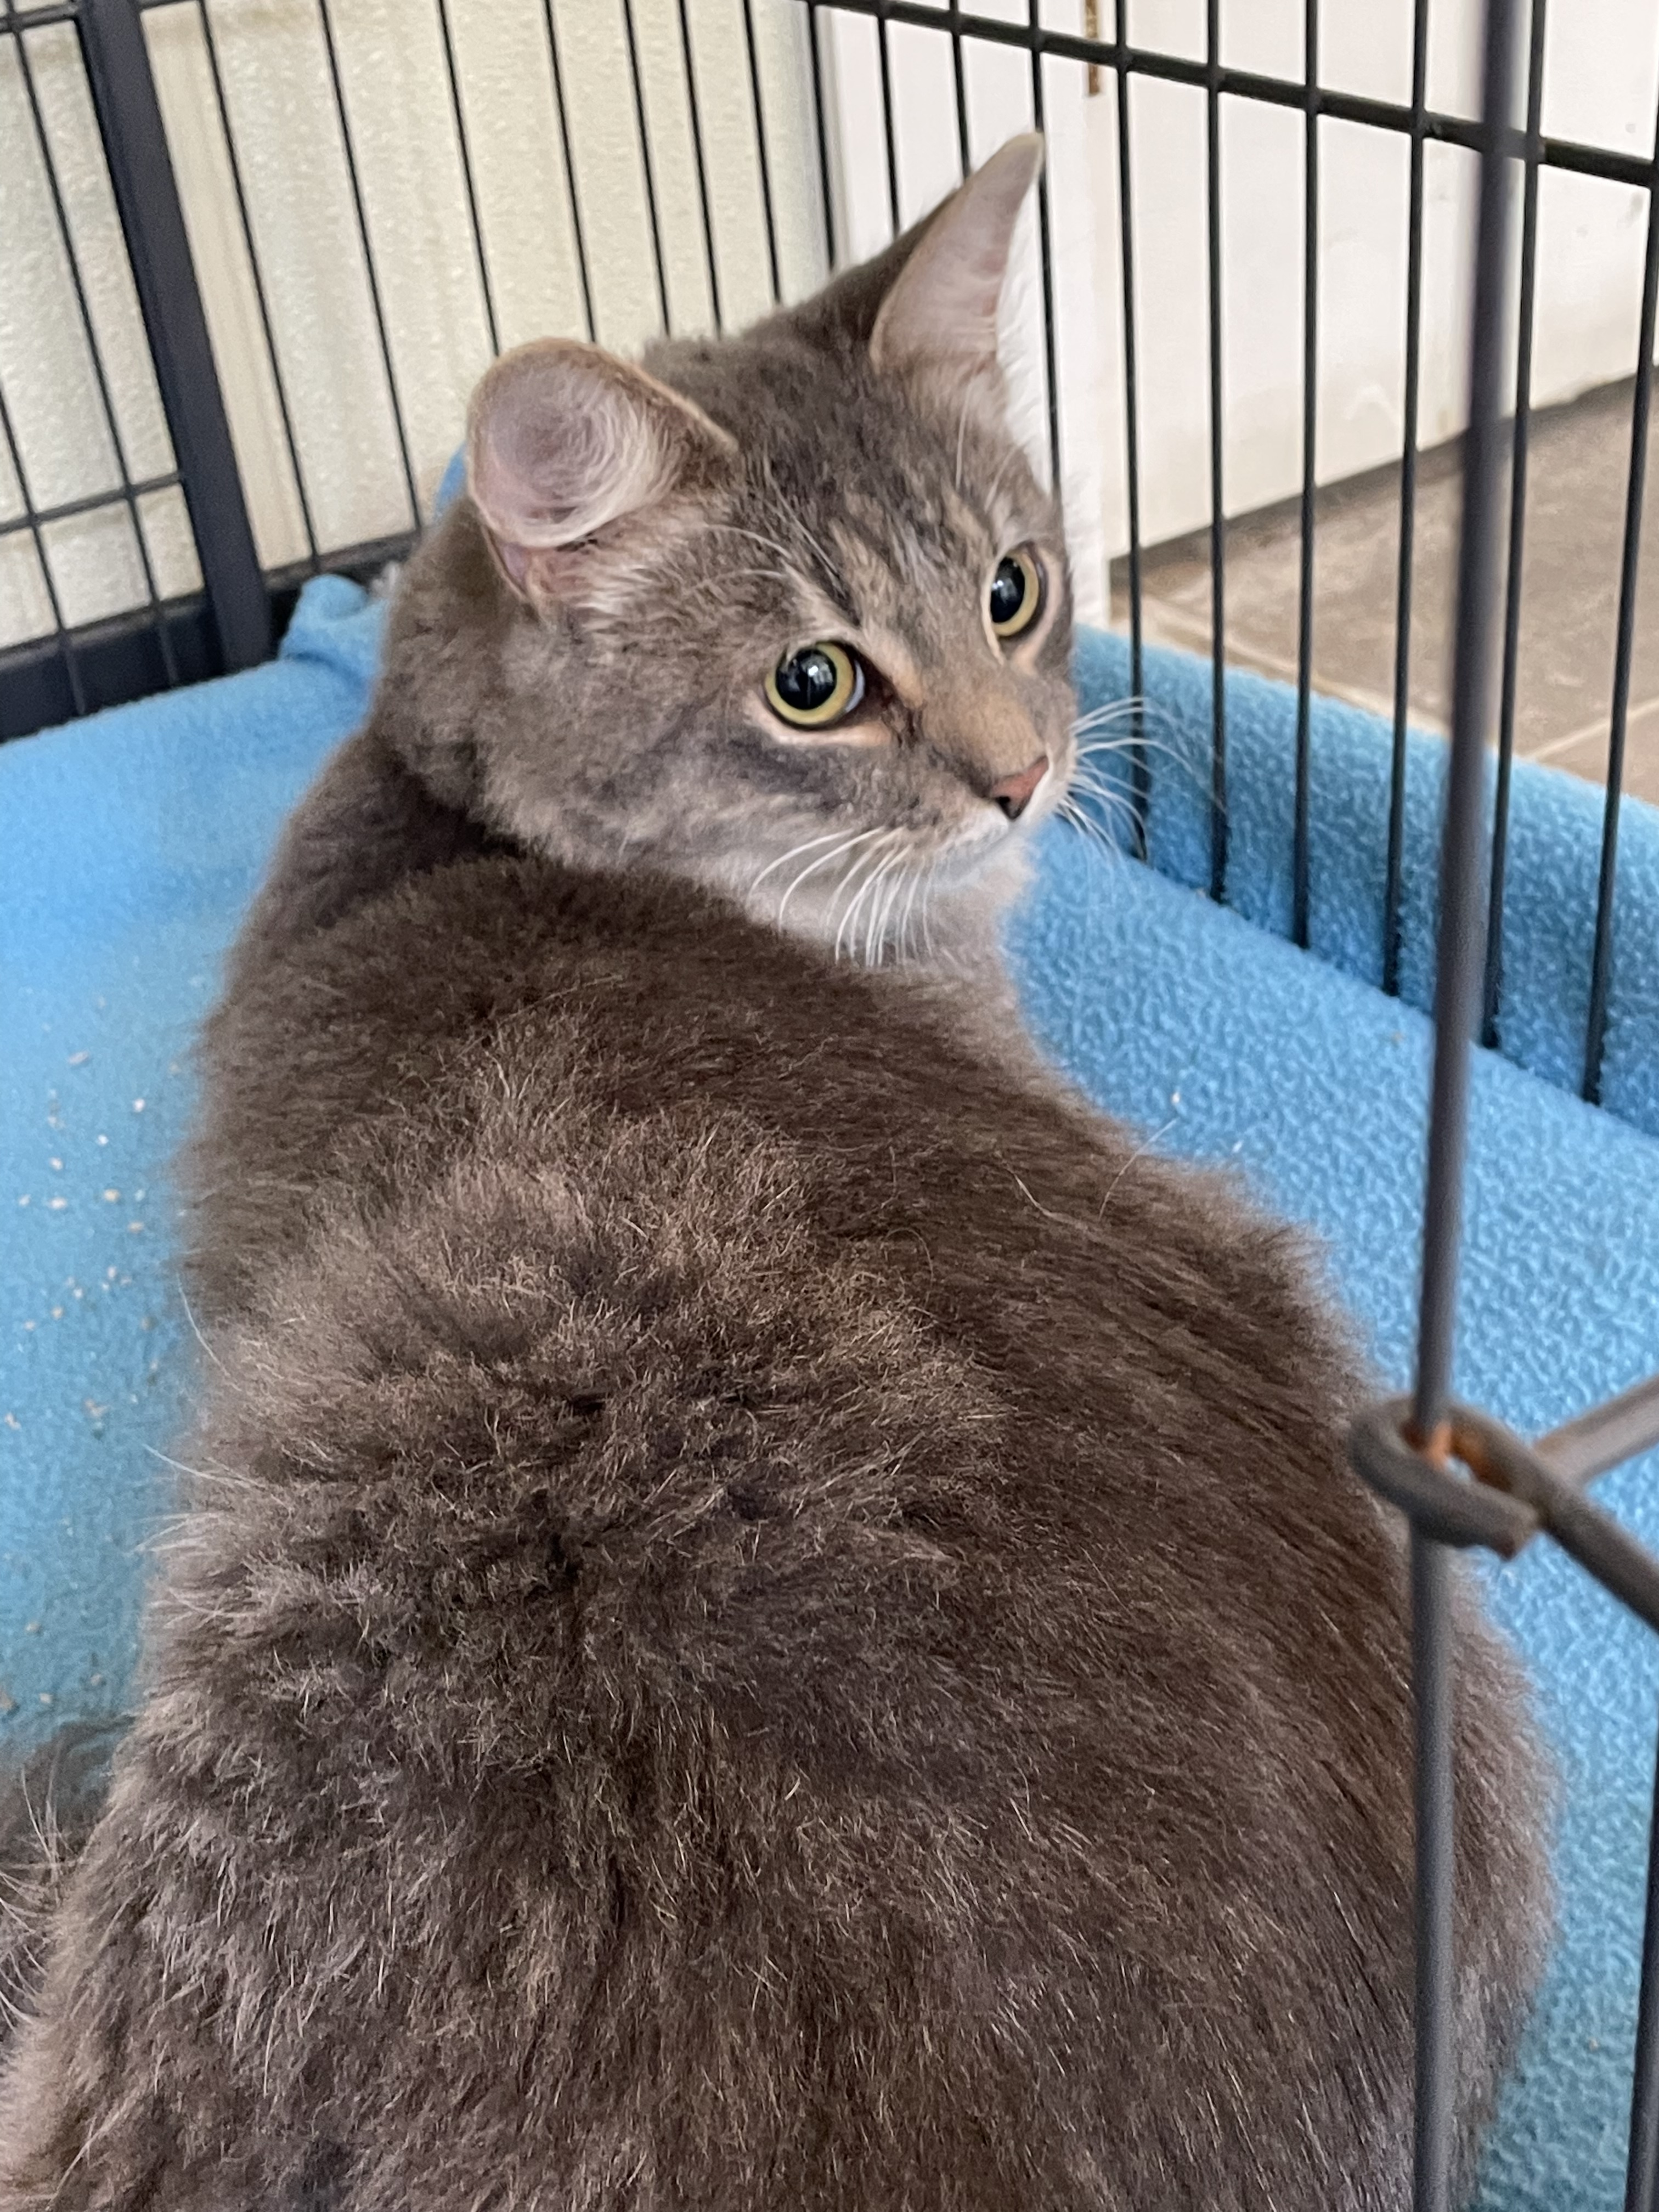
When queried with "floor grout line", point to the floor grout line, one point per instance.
{"points": [[1193, 632], [1596, 728]]}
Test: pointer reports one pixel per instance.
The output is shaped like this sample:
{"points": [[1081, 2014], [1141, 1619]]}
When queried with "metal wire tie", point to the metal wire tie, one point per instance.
{"points": [[1510, 1492]]}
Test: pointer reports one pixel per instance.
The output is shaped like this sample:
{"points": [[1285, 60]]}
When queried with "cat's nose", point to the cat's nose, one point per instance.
{"points": [[1013, 793]]}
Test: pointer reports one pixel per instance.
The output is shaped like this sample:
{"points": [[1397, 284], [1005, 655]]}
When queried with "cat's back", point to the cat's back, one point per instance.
{"points": [[507, 1003], [592, 1177], [772, 1615]]}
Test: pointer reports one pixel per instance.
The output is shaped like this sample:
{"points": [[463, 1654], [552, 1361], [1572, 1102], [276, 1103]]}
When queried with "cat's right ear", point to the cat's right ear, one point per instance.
{"points": [[933, 294], [576, 462]]}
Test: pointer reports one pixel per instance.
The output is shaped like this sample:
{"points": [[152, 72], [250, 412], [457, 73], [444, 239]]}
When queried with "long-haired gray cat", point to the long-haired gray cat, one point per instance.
{"points": [[770, 1616]]}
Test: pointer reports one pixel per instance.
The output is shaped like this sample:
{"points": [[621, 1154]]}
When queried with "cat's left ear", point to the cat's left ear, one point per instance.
{"points": [[578, 463], [942, 309]]}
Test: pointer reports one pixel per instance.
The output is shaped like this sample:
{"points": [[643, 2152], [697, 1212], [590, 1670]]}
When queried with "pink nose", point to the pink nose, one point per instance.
{"points": [[1013, 793]]}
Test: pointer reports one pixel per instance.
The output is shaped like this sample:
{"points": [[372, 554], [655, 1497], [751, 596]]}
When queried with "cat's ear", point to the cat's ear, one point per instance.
{"points": [[576, 461], [948, 264], [942, 308]]}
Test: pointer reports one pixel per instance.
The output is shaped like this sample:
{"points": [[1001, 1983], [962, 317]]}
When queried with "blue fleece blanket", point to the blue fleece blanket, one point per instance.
{"points": [[1555, 847], [132, 841]]}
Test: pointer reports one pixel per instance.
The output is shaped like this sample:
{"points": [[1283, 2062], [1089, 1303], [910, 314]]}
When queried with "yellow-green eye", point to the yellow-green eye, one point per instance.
{"points": [[816, 686], [1016, 593]]}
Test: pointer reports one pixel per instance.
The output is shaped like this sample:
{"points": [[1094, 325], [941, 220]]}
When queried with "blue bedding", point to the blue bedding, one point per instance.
{"points": [[131, 842]]}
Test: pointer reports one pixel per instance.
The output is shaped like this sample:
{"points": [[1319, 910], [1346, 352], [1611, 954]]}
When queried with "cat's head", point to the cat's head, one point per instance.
{"points": [[788, 613]]}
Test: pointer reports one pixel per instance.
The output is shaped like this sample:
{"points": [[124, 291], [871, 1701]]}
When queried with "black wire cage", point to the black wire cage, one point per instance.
{"points": [[1460, 1478]]}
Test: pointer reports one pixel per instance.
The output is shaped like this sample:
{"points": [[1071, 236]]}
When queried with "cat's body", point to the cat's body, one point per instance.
{"points": [[771, 1614]]}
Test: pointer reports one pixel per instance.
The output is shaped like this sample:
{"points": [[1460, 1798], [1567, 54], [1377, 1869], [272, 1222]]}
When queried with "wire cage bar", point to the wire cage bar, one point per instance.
{"points": [[1460, 1478], [1458, 978]]}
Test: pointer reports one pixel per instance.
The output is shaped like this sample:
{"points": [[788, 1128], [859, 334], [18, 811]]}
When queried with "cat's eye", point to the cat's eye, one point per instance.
{"points": [[816, 686], [1016, 593]]}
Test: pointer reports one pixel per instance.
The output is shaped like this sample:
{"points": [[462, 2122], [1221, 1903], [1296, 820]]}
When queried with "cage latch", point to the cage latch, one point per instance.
{"points": [[1476, 1482]]}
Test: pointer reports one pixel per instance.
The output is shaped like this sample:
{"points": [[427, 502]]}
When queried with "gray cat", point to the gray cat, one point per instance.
{"points": [[771, 1614]]}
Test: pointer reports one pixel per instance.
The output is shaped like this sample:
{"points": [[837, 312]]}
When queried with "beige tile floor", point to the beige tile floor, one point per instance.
{"points": [[1569, 596]]}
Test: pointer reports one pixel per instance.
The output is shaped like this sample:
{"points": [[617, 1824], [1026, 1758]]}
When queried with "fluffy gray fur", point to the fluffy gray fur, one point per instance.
{"points": [[771, 1614]]}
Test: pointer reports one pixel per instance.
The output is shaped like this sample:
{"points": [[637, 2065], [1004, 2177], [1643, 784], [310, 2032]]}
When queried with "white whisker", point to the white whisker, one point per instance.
{"points": [[1119, 819], [822, 861], [1115, 710], [881, 908], [910, 906], [828, 836], [1087, 826], [989, 496], [1128, 745], [754, 537], [863, 862], [830, 566], [868, 901], [904, 875], [1110, 794], [862, 878], [1120, 710], [1139, 1153]]}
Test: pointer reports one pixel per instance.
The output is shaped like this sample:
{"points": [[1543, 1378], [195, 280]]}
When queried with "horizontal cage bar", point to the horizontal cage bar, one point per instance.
{"points": [[1432, 123]]}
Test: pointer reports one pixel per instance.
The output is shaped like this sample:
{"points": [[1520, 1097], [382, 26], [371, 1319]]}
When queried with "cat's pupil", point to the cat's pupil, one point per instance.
{"points": [[807, 680], [1008, 590]]}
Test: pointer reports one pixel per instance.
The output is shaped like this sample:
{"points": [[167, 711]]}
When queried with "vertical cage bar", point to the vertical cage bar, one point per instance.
{"points": [[1595, 1026], [1217, 509], [1456, 1003], [126, 495], [164, 277], [1642, 2168], [562, 115], [1461, 908], [400, 428], [820, 134], [762, 156], [693, 109], [1140, 771], [285, 413], [1299, 895], [1493, 987], [960, 83], [644, 133], [1045, 251], [1432, 2146], [467, 180], [886, 62], [1395, 866], [66, 642]]}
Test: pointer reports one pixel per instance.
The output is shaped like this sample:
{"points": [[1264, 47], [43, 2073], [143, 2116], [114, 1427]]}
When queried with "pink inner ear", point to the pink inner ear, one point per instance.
{"points": [[563, 440], [535, 474], [558, 450], [945, 302]]}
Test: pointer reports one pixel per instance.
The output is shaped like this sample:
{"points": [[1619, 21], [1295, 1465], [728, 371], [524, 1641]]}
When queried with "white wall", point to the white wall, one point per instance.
{"points": [[45, 365], [1601, 66], [1600, 70], [273, 67]]}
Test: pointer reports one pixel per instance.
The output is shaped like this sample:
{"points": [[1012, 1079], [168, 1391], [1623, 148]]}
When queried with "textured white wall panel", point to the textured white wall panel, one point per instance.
{"points": [[325, 359]]}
